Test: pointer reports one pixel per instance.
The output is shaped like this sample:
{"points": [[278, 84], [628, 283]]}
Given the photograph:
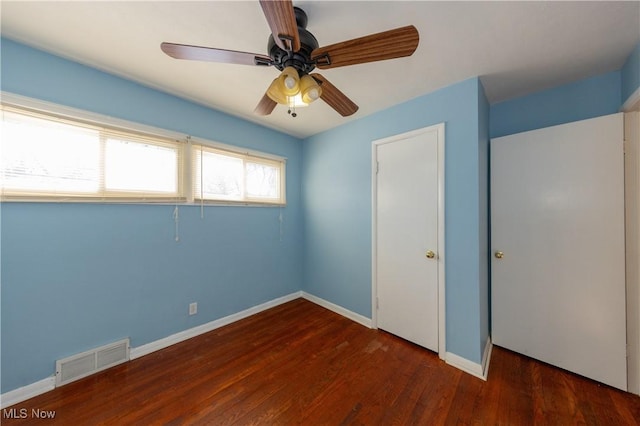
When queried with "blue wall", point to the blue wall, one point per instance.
{"points": [[580, 100], [337, 208], [75, 276], [630, 74], [130, 278]]}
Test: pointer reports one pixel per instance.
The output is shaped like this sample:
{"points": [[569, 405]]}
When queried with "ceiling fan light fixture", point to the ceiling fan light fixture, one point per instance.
{"points": [[289, 81], [297, 101], [294, 51], [309, 89], [276, 94]]}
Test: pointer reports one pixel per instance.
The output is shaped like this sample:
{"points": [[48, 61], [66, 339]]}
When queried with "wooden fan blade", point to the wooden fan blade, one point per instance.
{"points": [[334, 97], [282, 22], [374, 47], [265, 106], [198, 53]]}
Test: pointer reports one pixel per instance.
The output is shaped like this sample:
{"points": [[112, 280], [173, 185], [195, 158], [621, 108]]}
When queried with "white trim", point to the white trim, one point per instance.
{"points": [[237, 149], [374, 236], [38, 105], [181, 143], [205, 328], [22, 394], [442, 330], [632, 243], [440, 129], [486, 358], [632, 103], [479, 370], [34, 389], [198, 151], [360, 319]]}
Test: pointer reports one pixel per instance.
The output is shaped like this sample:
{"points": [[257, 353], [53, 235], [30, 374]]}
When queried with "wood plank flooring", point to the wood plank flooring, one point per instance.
{"points": [[300, 364]]}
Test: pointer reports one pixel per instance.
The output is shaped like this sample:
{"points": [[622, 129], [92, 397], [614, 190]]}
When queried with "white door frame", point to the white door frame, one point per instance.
{"points": [[632, 206], [439, 129]]}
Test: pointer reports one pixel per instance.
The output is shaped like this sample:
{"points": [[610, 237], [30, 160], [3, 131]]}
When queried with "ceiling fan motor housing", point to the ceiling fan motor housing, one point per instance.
{"points": [[288, 28], [300, 60]]}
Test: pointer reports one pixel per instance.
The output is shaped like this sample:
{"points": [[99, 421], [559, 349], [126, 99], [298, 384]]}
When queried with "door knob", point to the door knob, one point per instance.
{"points": [[499, 255], [430, 254]]}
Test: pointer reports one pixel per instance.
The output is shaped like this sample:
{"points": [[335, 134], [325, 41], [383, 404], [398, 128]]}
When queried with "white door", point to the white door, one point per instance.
{"points": [[557, 222], [406, 235], [632, 216]]}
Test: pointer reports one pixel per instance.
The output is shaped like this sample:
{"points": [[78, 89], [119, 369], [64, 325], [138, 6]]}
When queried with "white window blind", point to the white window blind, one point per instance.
{"points": [[44, 156], [221, 175], [50, 152], [48, 157], [137, 165]]}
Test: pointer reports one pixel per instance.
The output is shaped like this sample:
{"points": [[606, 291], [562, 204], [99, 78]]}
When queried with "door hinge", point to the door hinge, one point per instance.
{"points": [[377, 167]]}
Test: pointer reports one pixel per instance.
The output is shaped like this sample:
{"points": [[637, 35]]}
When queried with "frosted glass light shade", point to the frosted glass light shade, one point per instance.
{"points": [[309, 89], [275, 93], [289, 81]]}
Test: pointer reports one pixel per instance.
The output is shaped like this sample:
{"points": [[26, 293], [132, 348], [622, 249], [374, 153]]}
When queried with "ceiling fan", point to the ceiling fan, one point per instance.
{"points": [[293, 50]]}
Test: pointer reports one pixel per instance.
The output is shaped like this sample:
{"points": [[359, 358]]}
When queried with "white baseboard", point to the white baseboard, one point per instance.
{"points": [[486, 358], [360, 319], [479, 370], [22, 394], [204, 328], [34, 389]]}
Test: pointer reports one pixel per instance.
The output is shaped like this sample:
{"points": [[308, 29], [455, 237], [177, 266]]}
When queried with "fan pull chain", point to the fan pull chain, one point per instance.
{"points": [[201, 186], [292, 107], [176, 219]]}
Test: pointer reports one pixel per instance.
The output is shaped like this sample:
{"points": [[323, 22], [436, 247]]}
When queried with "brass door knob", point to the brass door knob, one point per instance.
{"points": [[499, 255], [430, 254]]}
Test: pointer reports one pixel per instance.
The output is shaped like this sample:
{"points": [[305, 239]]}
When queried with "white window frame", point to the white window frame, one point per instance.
{"points": [[111, 125], [247, 156]]}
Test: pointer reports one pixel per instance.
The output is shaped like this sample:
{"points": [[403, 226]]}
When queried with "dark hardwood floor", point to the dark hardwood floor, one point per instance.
{"points": [[301, 364]]}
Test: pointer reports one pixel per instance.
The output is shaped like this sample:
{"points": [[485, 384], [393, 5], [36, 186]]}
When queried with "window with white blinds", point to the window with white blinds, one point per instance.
{"points": [[49, 156], [46, 156], [222, 175]]}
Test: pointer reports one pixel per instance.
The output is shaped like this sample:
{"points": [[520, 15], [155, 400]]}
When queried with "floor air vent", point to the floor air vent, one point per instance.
{"points": [[86, 363]]}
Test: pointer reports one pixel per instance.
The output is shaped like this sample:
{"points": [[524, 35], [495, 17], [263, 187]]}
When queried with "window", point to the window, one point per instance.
{"points": [[138, 166], [41, 157], [45, 156], [221, 175], [52, 157]]}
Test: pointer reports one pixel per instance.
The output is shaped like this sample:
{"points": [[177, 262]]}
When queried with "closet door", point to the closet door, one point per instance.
{"points": [[406, 220], [558, 269]]}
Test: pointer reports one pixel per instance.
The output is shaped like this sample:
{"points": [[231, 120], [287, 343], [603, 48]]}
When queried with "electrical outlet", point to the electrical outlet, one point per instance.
{"points": [[193, 308]]}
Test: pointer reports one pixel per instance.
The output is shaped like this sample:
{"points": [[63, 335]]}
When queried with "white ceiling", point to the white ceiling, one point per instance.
{"points": [[515, 47]]}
